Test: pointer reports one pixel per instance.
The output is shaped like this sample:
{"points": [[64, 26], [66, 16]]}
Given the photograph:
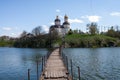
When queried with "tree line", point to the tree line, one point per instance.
{"points": [[74, 38], [36, 39], [93, 38]]}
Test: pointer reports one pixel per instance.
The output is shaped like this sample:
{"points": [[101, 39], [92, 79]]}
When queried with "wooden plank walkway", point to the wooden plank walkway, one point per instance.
{"points": [[55, 68]]}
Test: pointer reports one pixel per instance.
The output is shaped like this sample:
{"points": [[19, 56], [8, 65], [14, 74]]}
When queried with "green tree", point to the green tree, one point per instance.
{"points": [[92, 28], [111, 32], [70, 32]]}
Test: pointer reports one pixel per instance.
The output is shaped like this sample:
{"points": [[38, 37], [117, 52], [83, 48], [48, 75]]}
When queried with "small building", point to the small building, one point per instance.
{"points": [[61, 29]]}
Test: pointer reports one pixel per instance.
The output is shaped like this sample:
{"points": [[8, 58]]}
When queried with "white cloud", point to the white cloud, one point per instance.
{"points": [[13, 34], [92, 18], [83, 17], [61, 16], [52, 23], [75, 20], [16, 28], [115, 14], [7, 28], [57, 10], [45, 28]]}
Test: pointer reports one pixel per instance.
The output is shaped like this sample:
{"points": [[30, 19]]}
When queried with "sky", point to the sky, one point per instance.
{"points": [[19, 15]]}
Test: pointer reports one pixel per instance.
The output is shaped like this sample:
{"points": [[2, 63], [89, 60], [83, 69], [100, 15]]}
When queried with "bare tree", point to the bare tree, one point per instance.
{"points": [[37, 31], [23, 34]]}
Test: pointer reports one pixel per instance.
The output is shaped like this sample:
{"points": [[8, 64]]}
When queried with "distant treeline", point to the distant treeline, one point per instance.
{"points": [[36, 39], [75, 38], [93, 38]]}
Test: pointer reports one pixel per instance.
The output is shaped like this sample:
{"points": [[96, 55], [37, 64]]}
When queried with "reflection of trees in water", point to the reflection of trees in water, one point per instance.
{"points": [[36, 57], [32, 58]]}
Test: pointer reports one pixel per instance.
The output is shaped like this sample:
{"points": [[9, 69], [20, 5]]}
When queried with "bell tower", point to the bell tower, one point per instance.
{"points": [[57, 21], [66, 24], [65, 18]]}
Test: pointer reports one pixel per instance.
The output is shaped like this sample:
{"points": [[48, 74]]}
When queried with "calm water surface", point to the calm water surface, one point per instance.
{"points": [[96, 64], [14, 63]]}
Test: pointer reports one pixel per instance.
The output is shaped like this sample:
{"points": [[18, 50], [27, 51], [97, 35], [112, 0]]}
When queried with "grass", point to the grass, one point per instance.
{"points": [[87, 40], [6, 43]]}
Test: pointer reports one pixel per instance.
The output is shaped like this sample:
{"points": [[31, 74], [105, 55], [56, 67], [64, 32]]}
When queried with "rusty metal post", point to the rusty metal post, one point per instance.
{"points": [[79, 72], [71, 68], [28, 74]]}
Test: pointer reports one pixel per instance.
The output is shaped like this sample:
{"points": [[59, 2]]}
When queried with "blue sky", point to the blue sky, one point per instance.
{"points": [[19, 15]]}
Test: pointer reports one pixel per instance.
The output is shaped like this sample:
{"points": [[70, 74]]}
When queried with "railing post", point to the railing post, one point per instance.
{"points": [[37, 69], [44, 60], [79, 72], [28, 74], [60, 50], [64, 59], [42, 64], [62, 55], [47, 55], [71, 68], [67, 62]]}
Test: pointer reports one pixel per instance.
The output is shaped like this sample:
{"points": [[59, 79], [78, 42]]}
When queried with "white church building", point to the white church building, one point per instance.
{"points": [[61, 29]]}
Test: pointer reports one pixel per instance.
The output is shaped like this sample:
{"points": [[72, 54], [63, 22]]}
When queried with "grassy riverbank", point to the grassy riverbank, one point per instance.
{"points": [[6, 43], [86, 40], [71, 40]]}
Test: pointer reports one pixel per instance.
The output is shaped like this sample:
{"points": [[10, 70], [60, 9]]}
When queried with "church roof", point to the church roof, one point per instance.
{"points": [[66, 16], [66, 23], [56, 26], [57, 19]]}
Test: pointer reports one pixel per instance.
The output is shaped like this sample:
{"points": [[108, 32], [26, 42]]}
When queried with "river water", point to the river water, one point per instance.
{"points": [[14, 63], [95, 63]]}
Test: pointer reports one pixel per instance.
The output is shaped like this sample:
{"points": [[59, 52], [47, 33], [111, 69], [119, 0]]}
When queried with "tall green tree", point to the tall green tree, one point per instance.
{"points": [[111, 32], [92, 28]]}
